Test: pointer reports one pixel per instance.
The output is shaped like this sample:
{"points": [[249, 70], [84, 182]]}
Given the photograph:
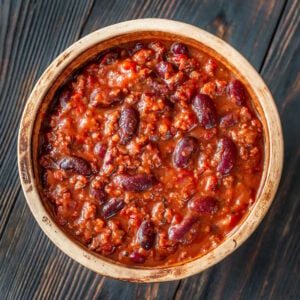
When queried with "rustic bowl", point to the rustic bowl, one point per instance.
{"points": [[86, 48]]}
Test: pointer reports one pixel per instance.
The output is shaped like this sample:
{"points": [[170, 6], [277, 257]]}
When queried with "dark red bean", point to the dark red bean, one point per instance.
{"points": [[110, 57], [100, 150], [177, 232], [138, 46], [64, 97], [107, 166], [76, 164], [112, 207], [205, 110], [184, 151], [178, 48], [44, 178], [165, 70], [146, 235], [236, 91], [128, 124], [228, 121], [46, 147], [99, 194], [227, 151], [137, 257], [135, 183], [204, 205]]}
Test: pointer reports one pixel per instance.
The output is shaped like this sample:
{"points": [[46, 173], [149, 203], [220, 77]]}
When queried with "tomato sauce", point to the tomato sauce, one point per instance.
{"points": [[151, 154]]}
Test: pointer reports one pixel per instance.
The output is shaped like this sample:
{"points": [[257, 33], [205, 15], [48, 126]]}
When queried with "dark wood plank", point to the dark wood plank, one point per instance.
{"points": [[36, 32], [267, 265], [32, 34], [246, 25], [31, 261], [280, 275]]}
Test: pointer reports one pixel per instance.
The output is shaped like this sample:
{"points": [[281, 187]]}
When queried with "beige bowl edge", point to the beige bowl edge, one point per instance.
{"points": [[271, 175]]}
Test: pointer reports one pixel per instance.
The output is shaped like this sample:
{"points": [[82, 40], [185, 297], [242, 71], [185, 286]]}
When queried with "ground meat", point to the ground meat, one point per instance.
{"points": [[152, 154]]}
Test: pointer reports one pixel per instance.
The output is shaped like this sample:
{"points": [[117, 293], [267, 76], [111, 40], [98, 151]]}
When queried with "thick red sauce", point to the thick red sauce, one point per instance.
{"points": [[151, 154]]}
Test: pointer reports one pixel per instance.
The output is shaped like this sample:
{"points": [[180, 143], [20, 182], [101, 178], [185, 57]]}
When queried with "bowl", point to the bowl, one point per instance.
{"points": [[81, 52]]}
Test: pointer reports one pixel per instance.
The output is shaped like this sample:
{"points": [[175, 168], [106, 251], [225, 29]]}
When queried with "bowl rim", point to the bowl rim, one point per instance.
{"points": [[273, 169]]}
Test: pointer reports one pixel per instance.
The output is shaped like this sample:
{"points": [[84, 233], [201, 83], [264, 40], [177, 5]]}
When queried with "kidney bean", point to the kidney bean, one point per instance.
{"points": [[228, 121], [44, 178], [204, 205], [137, 257], [184, 151], [112, 207], [228, 152], [146, 234], [165, 70], [135, 183], [76, 164], [138, 46], [178, 231], [178, 48], [205, 110], [128, 123], [237, 92], [100, 150], [99, 194], [108, 166], [64, 97], [46, 147], [110, 57]]}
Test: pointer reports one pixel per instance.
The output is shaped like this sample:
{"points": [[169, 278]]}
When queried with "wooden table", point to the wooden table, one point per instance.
{"points": [[33, 33]]}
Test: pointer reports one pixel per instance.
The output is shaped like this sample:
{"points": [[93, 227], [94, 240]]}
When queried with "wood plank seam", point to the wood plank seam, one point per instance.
{"points": [[86, 18], [130, 288], [273, 34], [2, 233]]}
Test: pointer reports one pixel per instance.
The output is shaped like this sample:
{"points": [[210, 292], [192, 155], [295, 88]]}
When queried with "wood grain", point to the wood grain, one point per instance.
{"points": [[32, 33], [267, 265], [29, 44], [246, 25]]}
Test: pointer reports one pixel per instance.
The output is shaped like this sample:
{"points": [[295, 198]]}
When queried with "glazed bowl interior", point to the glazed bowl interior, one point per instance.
{"points": [[84, 51]]}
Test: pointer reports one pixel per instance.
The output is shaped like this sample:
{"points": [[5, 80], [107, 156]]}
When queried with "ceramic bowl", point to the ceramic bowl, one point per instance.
{"points": [[81, 52]]}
